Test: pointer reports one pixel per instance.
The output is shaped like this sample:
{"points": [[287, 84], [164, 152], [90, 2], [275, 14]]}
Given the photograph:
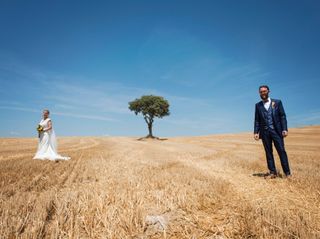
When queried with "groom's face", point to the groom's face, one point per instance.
{"points": [[264, 93]]}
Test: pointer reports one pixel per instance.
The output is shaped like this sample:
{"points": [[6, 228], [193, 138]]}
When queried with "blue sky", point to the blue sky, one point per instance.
{"points": [[85, 60]]}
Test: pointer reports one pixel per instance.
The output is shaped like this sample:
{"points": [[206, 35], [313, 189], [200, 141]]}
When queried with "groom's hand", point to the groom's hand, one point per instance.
{"points": [[256, 136], [284, 133]]}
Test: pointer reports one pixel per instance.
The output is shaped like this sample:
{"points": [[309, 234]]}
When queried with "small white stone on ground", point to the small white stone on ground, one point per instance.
{"points": [[157, 221]]}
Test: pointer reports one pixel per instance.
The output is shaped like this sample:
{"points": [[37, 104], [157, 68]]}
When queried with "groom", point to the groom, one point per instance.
{"points": [[270, 124]]}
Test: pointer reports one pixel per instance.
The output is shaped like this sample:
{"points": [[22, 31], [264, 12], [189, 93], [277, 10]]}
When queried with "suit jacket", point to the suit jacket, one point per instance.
{"points": [[278, 115]]}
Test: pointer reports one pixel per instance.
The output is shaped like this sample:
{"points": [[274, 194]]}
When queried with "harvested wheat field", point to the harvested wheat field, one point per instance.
{"points": [[182, 187]]}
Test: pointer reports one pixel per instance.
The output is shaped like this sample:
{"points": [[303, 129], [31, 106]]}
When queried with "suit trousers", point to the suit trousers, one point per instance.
{"points": [[268, 136]]}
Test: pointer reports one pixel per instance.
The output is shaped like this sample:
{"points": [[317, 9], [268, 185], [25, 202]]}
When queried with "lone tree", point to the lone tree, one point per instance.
{"points": [[150, 106]]}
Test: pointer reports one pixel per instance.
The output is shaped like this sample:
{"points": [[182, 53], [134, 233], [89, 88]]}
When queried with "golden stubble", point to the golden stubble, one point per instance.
{"points": [[182, 187]]}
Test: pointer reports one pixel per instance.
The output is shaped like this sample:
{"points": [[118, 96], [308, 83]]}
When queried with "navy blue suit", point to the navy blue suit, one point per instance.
{"points": [[269, 124]]}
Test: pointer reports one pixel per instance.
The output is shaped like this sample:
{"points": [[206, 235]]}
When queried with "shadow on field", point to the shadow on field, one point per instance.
{"points": [[151, 139], [262, 175]]}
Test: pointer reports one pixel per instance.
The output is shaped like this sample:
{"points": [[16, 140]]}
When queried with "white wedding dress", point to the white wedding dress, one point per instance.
{"points": [[47, 148]]}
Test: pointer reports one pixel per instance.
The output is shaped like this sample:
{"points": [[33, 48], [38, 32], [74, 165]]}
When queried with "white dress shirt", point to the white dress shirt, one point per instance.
{"points": [[267, 104]]}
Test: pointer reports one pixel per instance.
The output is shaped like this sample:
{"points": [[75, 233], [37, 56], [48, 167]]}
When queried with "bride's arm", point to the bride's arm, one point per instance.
{"points": [[49, 126]]}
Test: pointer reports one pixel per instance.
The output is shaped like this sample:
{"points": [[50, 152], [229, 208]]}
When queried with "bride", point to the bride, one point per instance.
{"points": [[47, 148]]}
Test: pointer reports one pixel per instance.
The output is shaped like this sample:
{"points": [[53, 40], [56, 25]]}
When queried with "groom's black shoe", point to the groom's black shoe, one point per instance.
{"points": [[288, 176]]}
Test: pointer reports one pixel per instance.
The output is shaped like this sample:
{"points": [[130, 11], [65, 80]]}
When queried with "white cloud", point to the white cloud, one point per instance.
{"points": [[105, 101], [85, 116], [82, 116], [18, 108], [91, 99], [312, 117]]}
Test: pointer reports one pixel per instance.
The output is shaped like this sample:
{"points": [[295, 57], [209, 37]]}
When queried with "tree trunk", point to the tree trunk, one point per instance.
{"points": [[150, 130]]}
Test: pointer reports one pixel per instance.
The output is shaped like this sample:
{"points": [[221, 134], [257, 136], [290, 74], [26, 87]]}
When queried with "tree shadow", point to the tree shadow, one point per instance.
{"points": [[151, 138], [163, 139]]}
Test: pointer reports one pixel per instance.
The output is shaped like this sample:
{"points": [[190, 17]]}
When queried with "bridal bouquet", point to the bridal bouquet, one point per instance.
{"points": [[39, 129]]}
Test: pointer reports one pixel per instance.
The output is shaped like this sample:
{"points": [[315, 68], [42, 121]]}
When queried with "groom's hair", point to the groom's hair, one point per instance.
{"points": [[47, 111], [264, 86]]}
